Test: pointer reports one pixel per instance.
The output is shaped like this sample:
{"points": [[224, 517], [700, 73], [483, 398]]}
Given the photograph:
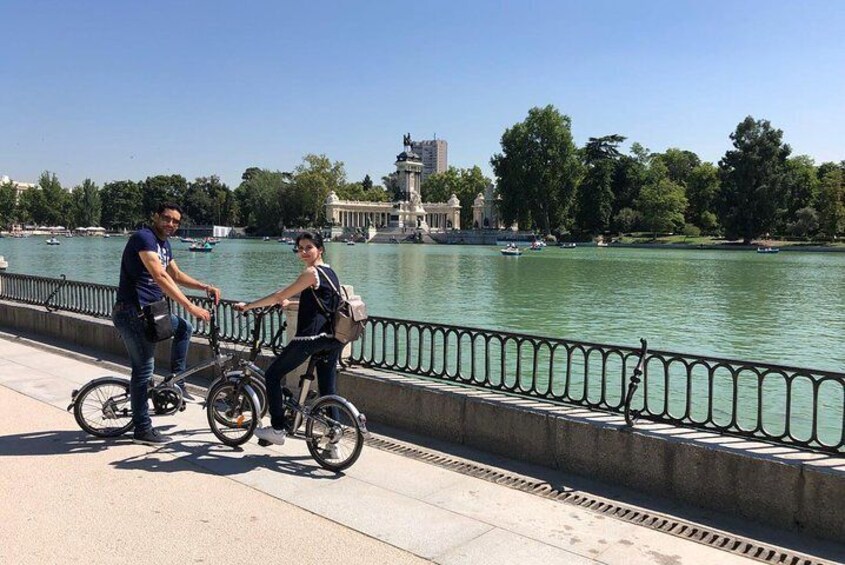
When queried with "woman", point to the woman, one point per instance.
{"points": [[313, 330]]}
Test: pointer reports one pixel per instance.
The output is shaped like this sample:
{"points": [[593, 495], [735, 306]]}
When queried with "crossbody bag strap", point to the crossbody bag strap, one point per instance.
{"points": [[317, 298]]}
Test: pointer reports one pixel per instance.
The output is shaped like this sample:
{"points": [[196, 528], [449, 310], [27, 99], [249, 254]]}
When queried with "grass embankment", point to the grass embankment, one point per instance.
{"points": [[644, 238]]}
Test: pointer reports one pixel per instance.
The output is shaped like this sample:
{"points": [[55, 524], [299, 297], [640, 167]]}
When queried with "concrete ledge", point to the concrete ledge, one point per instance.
{"points": [[780, 486], [776, 485]]}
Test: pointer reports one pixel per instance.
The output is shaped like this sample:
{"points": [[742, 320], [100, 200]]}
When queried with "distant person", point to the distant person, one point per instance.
{"points": [[148, 273], [318, 289]]}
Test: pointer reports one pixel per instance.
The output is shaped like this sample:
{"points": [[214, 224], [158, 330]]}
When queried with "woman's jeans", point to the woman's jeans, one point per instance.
{"points": [[292, 356], [130, 325]]}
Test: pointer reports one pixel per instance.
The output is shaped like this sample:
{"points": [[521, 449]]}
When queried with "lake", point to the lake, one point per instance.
{"points": [[787, 308]]}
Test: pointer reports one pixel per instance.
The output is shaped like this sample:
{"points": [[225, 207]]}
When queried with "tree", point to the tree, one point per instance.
{"points": [[8, 195], [122, 205], [51, 208], [595, 193], [313, 180], [702, 194], [626, 220], [629, 176], [752, 178], [163, 188], [390, 182], [538, 171], [806, 223], [367, 183], [86, 205], [831, 211], [679, 164], [208, 201], [466, 184], [356, 191], [662, 204], [801, 186], [259, 200]]}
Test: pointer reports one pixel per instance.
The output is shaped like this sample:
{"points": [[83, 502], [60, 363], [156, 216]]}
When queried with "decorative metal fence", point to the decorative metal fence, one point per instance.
{"points": [[97, 300], [786, 405]]}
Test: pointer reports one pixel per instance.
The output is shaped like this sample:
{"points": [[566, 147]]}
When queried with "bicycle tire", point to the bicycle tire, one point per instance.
{"points": [[232, 414], [341, 432], [104, 400]]}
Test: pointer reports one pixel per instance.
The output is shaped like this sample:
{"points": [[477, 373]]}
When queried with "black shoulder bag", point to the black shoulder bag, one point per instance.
{"points": [[157, 320]]}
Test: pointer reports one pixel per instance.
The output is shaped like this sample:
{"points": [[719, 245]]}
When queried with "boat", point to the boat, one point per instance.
{"points": [[266, 238], [350, 242], [201, 247], [768, 249], [566, 245], [212, 240], [602, 244], [53, 241], [186, 239], [3, 263], [535, 246], [511, 250]]}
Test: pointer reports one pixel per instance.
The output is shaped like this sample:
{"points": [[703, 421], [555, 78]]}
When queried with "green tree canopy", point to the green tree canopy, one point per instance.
{"points": [[752, 179], [662, 204], [8, 206], [702, 194], [538, 171], [679, 164], [595, 192], [122, 205], [51, 208], [831, 211], [163, 188], [313, 180], [259, 201], [86, 206], [466, 184], [801, 186]]}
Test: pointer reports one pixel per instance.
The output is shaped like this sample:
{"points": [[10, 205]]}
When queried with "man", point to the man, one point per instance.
{"points": [[148, 273]]}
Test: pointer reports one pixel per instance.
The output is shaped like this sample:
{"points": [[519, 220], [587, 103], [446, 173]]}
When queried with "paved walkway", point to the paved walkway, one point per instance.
{"points": [[67, 498]]}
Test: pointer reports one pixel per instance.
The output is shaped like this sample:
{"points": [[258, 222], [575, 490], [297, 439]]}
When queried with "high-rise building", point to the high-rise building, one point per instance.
{"points": [[433, 153]]}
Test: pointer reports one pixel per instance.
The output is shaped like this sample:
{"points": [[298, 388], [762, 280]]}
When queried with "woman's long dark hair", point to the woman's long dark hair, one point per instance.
{"points": [[315, 237]]}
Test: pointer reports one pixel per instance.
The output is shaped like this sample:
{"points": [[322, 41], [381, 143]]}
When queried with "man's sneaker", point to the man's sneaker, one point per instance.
{"points": [[150, 437], [330, 452], [271, 435]]}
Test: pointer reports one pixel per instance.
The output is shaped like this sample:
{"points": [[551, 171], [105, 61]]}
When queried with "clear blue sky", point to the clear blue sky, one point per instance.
{"points": [[124, 90]]}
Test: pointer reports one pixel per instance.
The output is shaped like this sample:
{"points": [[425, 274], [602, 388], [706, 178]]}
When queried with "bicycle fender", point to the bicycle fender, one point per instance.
{"points": [[91, 383], [359, 416], [251, 392]]}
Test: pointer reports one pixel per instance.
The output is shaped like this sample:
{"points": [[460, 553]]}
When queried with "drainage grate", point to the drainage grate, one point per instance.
{"points": [[686, 530]]}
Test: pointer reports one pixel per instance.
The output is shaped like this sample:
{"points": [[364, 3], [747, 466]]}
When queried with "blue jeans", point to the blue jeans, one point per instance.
{"points": [[129, 324], [292, 356]]}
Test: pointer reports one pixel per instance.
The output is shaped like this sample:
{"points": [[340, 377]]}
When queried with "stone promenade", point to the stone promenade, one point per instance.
{"points": [[69, 498]]}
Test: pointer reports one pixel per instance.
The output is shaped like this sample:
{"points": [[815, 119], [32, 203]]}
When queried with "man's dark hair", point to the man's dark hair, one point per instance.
{"points": [[168, 206], [315, 237]]}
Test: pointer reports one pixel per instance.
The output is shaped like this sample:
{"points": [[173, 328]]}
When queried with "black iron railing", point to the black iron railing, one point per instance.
{"points": [[786, 405], [97, 300]]}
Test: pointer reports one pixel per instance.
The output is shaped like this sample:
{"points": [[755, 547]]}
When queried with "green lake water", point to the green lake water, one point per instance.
{"points": [[787, 308]]}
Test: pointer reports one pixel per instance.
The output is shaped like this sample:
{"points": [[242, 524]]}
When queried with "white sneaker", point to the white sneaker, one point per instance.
{"points": [[269, 433]]}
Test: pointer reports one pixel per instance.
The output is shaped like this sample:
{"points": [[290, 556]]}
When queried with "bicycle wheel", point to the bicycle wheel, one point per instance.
{"points": [[102, 408], [232, 414], [333, 435]]}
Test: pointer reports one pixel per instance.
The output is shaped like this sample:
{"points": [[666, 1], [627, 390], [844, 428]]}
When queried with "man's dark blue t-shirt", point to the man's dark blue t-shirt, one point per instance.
{"points": [[136, 284]]}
